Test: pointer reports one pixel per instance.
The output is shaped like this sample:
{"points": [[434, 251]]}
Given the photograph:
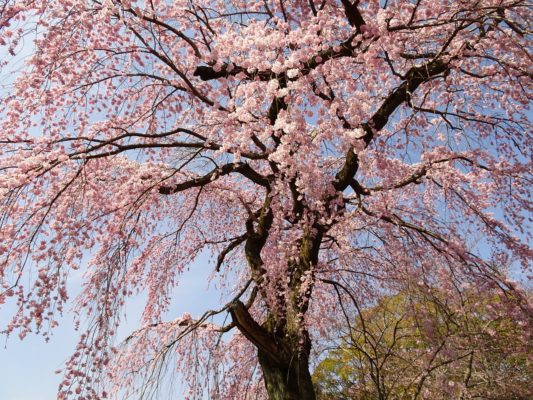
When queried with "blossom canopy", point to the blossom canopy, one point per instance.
{"points": [[324, 153]]}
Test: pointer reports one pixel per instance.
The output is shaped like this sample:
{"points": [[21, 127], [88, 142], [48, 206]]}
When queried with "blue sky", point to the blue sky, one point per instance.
{"points": [[27, 367]]}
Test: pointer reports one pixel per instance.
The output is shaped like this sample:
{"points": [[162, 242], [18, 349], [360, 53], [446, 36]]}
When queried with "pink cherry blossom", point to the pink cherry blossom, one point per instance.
{"points": [[321, 152]]}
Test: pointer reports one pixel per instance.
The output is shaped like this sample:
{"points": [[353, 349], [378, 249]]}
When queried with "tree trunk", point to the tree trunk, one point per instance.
{"points": [[287, 380], [284, 358]]}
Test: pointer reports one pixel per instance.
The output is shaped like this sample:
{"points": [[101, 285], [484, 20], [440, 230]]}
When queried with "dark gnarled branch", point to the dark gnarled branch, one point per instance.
{"points": [[414, 78], [242, 168], [254, 332]]}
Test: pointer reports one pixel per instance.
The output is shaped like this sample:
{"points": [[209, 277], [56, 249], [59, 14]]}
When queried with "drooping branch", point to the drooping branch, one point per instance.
{"points": [[396, 220], [414, 177], [233, 245], [190, 325]]}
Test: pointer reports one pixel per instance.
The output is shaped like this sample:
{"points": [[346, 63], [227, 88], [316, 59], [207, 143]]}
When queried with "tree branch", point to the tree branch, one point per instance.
{"points": [[242, 168], [254, 332], [353, 15], [414, 78], [235, 243]]}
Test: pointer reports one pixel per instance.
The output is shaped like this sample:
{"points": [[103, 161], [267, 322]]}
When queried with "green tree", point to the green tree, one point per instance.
{"points": [[415, 345]]}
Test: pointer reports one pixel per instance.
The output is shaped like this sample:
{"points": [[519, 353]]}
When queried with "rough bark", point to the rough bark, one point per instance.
{"points": [[283, 345], [287, 381], [284, 358]]}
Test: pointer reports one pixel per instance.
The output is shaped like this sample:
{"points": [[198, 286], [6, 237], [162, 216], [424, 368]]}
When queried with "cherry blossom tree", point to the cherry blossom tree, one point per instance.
{"points": [[323, 152]]}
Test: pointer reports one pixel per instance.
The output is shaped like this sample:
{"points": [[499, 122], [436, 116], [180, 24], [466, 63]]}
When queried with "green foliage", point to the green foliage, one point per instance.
{"points": [[415, 345]]}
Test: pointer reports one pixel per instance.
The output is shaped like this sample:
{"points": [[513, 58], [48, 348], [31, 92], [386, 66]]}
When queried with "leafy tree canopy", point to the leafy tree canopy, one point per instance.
{"points": [[415, 345]]}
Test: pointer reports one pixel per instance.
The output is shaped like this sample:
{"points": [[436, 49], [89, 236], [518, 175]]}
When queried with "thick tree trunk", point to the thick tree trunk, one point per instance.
{"points": [[283, 349], [287, 381], [284, 358]]}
